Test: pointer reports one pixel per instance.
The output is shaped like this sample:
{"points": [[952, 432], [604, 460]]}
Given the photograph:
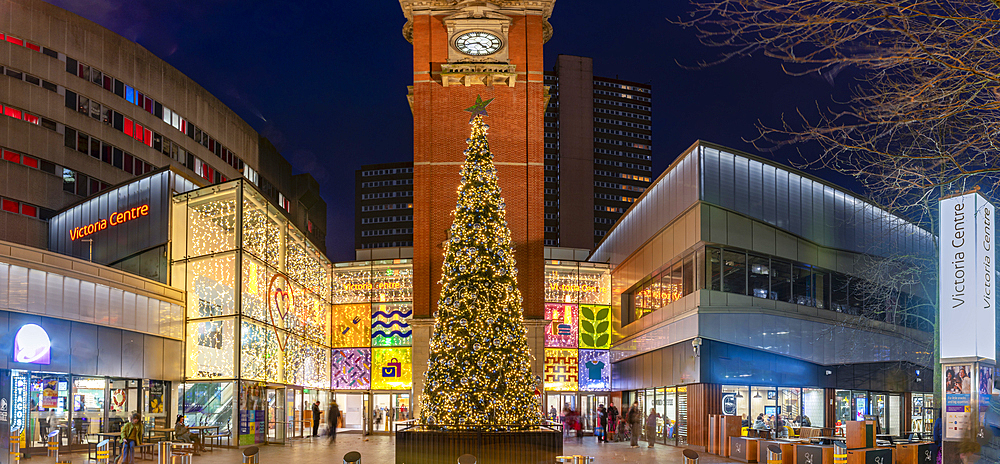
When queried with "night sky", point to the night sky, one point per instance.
{"points": [[326, 81]]}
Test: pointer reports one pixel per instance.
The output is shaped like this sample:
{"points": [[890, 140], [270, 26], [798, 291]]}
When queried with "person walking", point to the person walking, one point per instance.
{"points": [[602, 419], [131, 437], [634, 418], [332, 419], [651, 426], [315, 418], [613, 416]]}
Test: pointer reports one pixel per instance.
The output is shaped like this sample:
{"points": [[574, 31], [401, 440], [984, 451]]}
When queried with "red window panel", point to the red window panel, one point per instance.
{"points": [[83, 69], [148, 138], [138, 132], [29, 161], [31, 118], [14, 113], [128, 127], [34, 47], [108, 83], [183, 126], [95, 186], [16, 41], [140, 167], [29, 210], [127, 163], [11, 206], [149, 105], [3, 37], [11, 156], [211, 145], [139, 98]]}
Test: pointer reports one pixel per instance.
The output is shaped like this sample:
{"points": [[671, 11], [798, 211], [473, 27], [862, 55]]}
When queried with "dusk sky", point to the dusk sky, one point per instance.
{"points": [[326, 81]]}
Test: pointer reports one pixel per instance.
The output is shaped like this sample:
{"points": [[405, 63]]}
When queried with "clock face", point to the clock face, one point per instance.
{"points": [[478, 43]]}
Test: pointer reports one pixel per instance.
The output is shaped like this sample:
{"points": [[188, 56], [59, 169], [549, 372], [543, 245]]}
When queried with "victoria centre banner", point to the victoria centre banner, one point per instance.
{"points": [[967, 314]]}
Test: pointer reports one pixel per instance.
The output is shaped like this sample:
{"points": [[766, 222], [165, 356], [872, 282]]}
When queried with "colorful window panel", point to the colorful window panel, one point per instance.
{"points": [[392, 369], [561, 369], [595, 327], [595, 370], [351, 368], [391, 324], [351, 326], [563, 330]]}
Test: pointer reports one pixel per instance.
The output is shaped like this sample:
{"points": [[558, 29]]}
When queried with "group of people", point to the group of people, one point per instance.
{"points": [[132, 434], [333, 419], [610, 420], [776, 423]]}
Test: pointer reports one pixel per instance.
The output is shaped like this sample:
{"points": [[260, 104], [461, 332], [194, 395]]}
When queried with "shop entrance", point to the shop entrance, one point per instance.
{"points": [[275, 397], [352, 407], [389, 408], [558, 402], [588, 409]]}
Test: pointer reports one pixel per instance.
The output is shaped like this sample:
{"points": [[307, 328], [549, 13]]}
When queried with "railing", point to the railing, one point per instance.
{"points": [[444, 443]]}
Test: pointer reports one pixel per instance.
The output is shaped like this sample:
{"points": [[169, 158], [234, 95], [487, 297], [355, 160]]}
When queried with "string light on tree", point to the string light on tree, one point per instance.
{"points": [[479, 369]]}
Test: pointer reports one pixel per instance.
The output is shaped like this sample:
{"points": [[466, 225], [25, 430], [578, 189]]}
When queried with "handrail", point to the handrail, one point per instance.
{"points": [[412, 425]]}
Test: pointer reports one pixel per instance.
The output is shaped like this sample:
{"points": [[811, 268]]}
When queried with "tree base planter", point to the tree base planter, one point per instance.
{"points": [[418, 445]]}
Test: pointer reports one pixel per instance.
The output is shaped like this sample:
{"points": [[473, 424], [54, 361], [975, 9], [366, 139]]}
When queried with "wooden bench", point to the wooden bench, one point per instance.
{"points": [[210, 440], [147, 449]]}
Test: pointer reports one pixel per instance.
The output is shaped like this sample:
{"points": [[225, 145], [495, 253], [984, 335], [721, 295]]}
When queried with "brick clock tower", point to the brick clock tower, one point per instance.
{"points": [[462, 49]]}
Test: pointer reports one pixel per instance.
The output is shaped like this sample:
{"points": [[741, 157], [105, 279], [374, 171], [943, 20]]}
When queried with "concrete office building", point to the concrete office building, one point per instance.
{"points": [[598, 151], [738, 288], [85, 109]]}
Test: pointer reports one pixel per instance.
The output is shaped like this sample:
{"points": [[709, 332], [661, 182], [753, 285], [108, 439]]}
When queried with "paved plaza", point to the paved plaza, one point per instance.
{"points": [[379, 450]]}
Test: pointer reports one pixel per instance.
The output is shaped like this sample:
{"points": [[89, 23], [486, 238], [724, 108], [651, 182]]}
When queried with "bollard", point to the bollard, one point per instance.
{"points": [[579, 459], [52, 450], [839, 452], [251, 455], [163, 451], [773, 454], [690, 456], [564, 459], [103, 452], [15, 448], [353, 457], [466, 459]]}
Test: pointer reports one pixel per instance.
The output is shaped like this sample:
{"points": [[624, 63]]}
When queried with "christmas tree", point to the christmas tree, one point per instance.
{"points": [[479, 371]]}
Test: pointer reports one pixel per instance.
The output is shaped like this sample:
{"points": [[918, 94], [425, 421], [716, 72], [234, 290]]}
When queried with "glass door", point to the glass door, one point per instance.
{"points": [[49, 409], [275, 398], [297, 418], [383, 413], [88, 407], [895, 412], [670, 415], [682, 420], [367, 418]]}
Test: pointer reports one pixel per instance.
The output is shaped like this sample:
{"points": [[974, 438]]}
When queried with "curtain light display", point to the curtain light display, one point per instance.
{"points": [[562, 370], [350, 368], [210, 348], [351, 325], [479, 368], [563, 330], [391, 324], [391, 369]]}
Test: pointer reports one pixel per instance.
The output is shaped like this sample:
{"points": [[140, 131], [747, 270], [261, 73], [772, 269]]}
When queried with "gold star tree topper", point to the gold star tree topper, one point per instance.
{"points": [[479, 107]]}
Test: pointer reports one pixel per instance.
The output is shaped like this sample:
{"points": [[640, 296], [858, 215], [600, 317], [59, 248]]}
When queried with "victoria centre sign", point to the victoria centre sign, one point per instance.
{"points": [[966, 273]]}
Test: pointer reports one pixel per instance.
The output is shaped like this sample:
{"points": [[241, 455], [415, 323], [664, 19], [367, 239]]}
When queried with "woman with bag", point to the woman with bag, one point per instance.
{"points": [[602, 427]]}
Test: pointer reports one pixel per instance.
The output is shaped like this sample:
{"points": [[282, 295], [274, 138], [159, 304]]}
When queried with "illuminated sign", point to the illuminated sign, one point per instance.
{"points": [[19, 401], [968, 318], [32, 345], [279, 302], [115, 219]]}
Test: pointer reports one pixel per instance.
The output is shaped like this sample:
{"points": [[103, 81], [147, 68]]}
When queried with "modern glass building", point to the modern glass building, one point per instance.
{"points": [[744, 287]]}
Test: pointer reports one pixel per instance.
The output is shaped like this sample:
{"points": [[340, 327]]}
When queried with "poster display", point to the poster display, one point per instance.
{"points": [[156, 397], [392, 369], [50, 393], [563, 329], [958, 400], [985, 391]]}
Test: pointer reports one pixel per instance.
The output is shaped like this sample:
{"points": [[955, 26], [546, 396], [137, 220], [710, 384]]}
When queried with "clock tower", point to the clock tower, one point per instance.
{"points": [[463, 49]]}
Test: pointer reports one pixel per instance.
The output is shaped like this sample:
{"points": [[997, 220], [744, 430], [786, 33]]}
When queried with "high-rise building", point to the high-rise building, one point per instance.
{"points": [[85, 109], [383, 206], [598, 151]]}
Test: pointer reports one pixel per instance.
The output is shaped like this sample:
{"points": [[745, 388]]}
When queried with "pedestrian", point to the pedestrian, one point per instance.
{"points": [[936, 435], [634, 418], [183, 434], [613, 416], [651, 426], [332, 418], [602, 419], [553, 414], [131, 437], [315, 411]]}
